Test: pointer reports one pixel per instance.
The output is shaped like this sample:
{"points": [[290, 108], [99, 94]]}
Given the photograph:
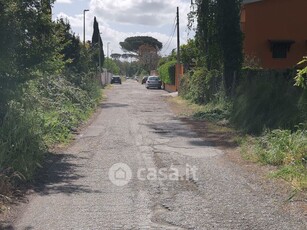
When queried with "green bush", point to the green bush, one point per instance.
{"points": [[167, 72], [216, 111], [267, 100], [203, 86], [184, 88], [63, 105], [45, 112]]}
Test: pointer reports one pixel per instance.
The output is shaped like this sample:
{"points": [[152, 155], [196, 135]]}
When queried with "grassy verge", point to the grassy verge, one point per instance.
{"points": [[46, 113], [285, 149]]}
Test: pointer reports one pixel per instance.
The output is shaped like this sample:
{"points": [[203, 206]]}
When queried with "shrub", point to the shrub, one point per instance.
{"points": [[267, 100], [44, 112], [203, 86], [184, 88], [61, 104], [167, 72]]}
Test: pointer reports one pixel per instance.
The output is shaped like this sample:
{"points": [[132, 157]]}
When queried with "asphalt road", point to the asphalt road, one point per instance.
{"points": [[164, 177]]}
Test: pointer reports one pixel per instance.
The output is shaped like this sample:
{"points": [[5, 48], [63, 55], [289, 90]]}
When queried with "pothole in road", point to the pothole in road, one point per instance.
{"points": [[157, 218], [190, 151], [147, 111], [162, 132]]}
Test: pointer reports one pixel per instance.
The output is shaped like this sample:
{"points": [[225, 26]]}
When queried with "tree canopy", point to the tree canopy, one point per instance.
{"points": [[116, 56], [219, 37], [97, 41], [133, 44]]}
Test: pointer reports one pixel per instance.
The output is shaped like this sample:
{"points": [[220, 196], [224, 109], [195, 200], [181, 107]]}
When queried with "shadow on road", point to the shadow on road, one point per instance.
{"points": [[113, 105], [59, 175], [6, 226], [192, 129]]}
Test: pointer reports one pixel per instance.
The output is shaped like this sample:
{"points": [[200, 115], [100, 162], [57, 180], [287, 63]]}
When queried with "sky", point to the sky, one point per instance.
{"points": [[119, 19]]}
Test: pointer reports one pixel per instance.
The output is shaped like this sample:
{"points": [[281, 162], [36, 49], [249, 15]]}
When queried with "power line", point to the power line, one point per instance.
{"points": [[172, 34], [167, 44], [171, 39]]}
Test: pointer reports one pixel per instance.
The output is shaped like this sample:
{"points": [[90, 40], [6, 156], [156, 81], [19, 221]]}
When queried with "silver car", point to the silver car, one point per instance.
{"points": [[153, 82]]}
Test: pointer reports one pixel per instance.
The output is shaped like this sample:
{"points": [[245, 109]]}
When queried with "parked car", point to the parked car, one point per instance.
{"points": [[153, 82], [144, 79], [116, 79]]}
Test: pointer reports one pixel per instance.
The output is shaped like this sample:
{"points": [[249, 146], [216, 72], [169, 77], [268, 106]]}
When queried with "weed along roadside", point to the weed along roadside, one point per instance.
{"points": [[211, 134], [28, 134], [276, 154], [47, 90]]}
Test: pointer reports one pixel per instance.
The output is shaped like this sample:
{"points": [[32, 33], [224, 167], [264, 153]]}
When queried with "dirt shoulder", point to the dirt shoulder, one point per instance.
{"points": [[226, 139]]}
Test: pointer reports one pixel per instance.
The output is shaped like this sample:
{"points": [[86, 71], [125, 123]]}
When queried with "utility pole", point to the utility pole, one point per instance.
{"points": [[178, 65], [84, 26], [178, 38]]}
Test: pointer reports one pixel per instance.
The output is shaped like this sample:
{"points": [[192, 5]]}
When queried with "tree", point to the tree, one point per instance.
{"points": [[112, 66], [133, 44], [116, 56], [71, 45], [231, 41], [219, 37], [97, 43], [145, 49], [189, 54], [207, 36], [148, 57], [28, 44]]}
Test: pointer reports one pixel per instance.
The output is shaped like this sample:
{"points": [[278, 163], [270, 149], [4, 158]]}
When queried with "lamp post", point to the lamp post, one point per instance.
{"points": [[107, 61], [108, 49], [84, 26]]}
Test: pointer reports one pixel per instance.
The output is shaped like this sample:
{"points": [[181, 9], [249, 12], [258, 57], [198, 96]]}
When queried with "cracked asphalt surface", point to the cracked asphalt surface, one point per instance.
{"points": [[136, 127]]}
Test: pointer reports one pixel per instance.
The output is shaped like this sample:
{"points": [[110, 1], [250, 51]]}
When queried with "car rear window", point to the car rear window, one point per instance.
{"points": [[153, 78]]}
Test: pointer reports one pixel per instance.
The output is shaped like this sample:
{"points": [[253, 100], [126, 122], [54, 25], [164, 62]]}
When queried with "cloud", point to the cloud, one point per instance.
{"points": [[75, 21], [64, 1], [139, 12], [119, 19]]}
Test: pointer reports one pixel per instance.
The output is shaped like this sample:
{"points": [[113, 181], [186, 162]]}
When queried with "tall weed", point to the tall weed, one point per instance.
{"points": [[45, 112], [21, 140], [287, 150], [267, 100]]}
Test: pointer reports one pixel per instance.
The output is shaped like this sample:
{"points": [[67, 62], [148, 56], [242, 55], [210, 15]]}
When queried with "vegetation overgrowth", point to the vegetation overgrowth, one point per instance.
{"points": [[270, 107], [48, 86]]}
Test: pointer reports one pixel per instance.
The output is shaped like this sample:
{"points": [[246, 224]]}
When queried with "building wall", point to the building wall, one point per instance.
{"points": [[170, 88], [275, 20]]}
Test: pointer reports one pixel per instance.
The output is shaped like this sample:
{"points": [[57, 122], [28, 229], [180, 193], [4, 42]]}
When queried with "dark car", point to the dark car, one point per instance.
{"points": [[153, 82], [116, 79], [144, 79]]}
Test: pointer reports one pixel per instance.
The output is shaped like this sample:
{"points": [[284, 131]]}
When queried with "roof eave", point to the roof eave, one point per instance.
{"points": [[250, 1]]}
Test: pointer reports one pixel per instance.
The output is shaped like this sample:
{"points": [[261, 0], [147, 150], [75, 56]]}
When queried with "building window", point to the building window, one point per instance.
{"points": [[280, 48]]}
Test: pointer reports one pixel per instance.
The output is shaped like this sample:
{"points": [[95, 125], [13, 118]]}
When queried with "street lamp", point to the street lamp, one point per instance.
{"points": [[84, 26], [107, 66]]}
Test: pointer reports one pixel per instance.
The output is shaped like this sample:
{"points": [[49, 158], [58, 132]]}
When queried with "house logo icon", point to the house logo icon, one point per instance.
{"points": [[120, 174]]}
